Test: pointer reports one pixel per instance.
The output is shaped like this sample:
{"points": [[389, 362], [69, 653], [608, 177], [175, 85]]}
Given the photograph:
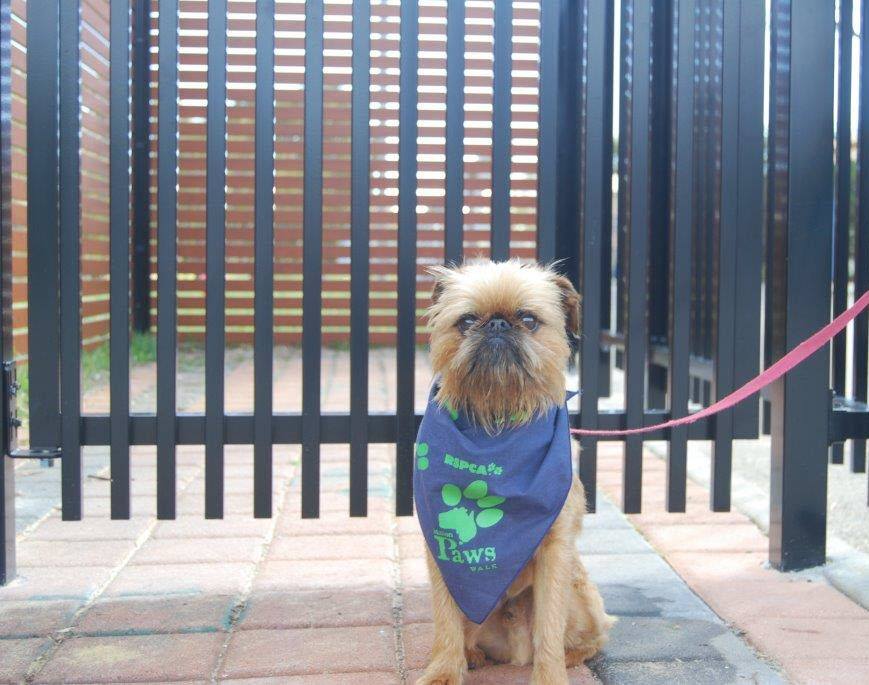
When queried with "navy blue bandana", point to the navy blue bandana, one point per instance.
{"points": [[485, 501]]}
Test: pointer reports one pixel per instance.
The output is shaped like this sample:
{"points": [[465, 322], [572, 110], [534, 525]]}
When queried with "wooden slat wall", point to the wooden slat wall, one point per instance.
{"points": [[289, 77]]}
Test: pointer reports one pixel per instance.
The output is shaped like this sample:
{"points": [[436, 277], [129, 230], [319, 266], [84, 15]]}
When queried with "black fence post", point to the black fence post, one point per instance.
{"points": [[43, 242], [860, 332], [800, 279], [568, 144], [7, 473], [659, 182], [843, 205], [141, 58]]}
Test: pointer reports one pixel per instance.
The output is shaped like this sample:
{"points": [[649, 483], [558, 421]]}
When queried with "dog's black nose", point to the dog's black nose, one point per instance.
{"points": [[497, 325]]}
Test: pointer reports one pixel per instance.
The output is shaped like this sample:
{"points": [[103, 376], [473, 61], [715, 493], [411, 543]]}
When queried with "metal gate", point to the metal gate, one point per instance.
{"points": [[671, 265]]}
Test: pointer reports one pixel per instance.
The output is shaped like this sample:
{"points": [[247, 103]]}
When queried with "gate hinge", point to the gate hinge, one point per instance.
{"points": [[11, 422]]}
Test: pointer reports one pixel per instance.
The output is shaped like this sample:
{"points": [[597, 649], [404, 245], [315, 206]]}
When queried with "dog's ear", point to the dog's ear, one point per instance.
{"points": [[440, 275], [570, 303]]}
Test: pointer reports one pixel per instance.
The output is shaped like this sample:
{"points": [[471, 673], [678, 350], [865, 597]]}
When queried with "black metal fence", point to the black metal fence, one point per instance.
{"points": [[678, 269]]}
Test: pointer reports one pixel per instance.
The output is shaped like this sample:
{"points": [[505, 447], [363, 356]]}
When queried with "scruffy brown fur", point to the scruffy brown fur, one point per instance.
{"points": [[552, 614]]}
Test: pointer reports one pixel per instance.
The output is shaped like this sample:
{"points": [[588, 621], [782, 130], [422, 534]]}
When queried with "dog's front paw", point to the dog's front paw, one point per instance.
{"points": [[440, 678], [543, 675], [476, 657]]}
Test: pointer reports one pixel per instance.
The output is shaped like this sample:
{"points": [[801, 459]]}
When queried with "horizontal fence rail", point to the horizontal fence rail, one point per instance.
{"points": [[281, 173]]}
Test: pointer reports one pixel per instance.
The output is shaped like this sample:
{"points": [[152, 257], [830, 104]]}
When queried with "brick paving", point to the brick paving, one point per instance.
{"points": [[345, 600]]}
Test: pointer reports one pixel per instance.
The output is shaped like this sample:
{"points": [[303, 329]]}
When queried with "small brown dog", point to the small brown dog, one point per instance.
{"points": [[552, 614]]}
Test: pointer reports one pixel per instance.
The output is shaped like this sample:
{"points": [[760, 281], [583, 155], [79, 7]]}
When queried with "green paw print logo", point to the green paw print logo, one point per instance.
{"points": [[422, 456], [464, 522]]}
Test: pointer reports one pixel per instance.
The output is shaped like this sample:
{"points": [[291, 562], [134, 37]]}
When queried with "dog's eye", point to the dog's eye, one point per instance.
{"points": [[466, 322], [530, 321]]}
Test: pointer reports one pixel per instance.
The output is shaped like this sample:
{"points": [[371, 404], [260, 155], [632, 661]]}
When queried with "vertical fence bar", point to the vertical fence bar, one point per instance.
{"points": [[659, 202], [119, 252], [567, 124], [597, 194], [141, 162], [547, 138], [455, 131], [7, 466], [70, 236], [313, 259], [700, 97], [359, 255], [637, 257], [749, 221], [777, 163], [605, 356], [502, 66], [263, 361], [801, 293], [843, 204], [678, 381], [167, 255], [860, 361], [215, 260], [724, 237], [406, 298], [624, 168], [42, 223], [701, 194]]}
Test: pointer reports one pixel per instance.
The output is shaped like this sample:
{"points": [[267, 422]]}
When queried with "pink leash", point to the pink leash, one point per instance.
{"points": [[792, 359]]}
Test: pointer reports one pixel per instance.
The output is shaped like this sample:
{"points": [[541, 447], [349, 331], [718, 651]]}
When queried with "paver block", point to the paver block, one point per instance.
{"points": [[197, 550], [627, 568], [92, 530], [658, 599], [158, 614], [619, 540], [708, 537], [180, 579], [723, 567], [42, 583], [290, 524], [417, 640], [25, 619], [351, 547], [829, 671], [414, 573], [411, 546], [348, 575], [406, 525], [707, 671], [17, 655], [318, 608], [142, 508], [135, 658], [72, 553], [416, 605], [740, 601], [811, 638], [255, 653], [655, 639], [198, 527]]}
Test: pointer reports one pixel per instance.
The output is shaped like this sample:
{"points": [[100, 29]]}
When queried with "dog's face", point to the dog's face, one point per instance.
{"points": [[501, 334]]}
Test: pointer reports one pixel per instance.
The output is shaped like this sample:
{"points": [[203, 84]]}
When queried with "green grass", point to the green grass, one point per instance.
{"points": [[143, 348]]}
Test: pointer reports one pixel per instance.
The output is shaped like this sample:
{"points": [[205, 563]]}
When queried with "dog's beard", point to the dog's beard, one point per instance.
{"points": [[499, 380], [499, 357]]}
